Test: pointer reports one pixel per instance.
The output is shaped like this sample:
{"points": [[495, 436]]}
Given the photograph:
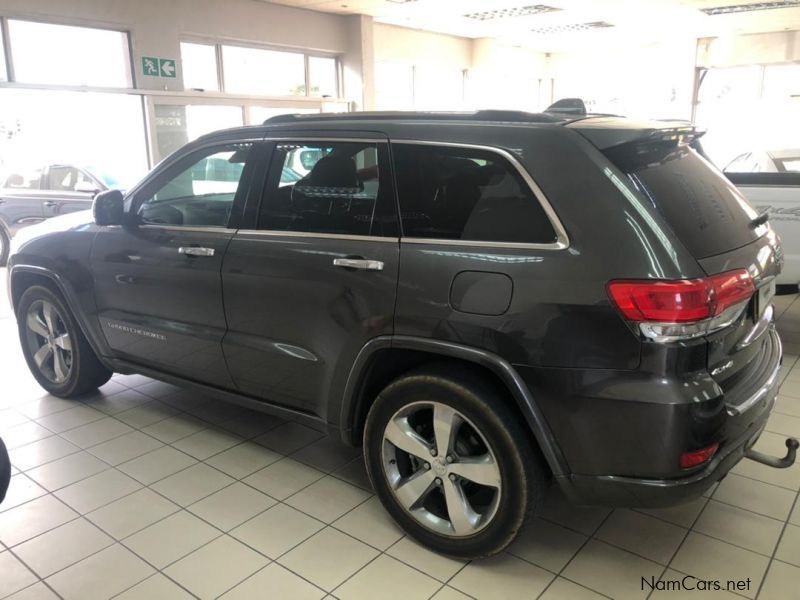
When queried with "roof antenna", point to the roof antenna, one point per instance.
{"points": [[569, 106]]}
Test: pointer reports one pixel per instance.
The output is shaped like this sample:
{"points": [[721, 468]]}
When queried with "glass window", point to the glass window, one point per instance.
{"points": [[97, 132], [466, 194], [704, 209], [67, 55], [199, 67], [263, 72], [322, 188], [202, 194], [322, 76], [30, 179], [66, 178], [178, 124]]}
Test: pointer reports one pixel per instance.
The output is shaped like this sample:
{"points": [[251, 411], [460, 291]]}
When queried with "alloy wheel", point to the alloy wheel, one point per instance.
{"points": [[441, 469], [49, 342]]}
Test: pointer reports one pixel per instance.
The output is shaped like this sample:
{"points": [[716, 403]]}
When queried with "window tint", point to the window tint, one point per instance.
{"points": [[328, 187], [704, 209], [466, 194], [202, 194]]}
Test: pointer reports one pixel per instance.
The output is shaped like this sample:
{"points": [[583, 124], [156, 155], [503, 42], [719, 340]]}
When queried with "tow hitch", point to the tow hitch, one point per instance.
{"points": [[772, 461]]}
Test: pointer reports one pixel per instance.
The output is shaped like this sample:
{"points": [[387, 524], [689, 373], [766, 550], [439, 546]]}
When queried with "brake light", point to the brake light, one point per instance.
{"points": [[670, 310], [698, 457]]}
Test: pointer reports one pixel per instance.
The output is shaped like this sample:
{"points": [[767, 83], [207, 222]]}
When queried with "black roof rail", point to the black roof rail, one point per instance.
{"points": [[508, 116]]}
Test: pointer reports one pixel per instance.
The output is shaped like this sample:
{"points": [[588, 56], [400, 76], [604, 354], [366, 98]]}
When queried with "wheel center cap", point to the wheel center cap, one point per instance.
{"points": [[439, 466]]}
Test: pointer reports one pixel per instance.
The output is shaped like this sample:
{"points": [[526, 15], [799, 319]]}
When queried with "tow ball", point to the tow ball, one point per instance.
{"points": [[772, 461]]}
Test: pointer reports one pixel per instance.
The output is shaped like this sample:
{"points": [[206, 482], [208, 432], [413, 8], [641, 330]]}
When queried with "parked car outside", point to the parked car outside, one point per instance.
{"points": [[488, 303], [771, 182], [33, 195]]}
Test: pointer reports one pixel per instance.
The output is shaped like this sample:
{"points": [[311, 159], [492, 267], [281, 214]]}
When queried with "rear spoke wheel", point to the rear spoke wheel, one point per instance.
{"points": [[441, 469]]}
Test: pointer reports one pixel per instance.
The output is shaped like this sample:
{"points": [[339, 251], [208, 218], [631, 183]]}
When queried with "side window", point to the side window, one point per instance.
{"points": [[323, 187], [466, 194], [202, 193], [62, 178], [27, 180]]}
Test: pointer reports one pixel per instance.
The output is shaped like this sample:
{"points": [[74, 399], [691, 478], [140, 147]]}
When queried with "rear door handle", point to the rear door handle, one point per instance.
{"points": [[196, 251], [50, 203], [358, 263]]}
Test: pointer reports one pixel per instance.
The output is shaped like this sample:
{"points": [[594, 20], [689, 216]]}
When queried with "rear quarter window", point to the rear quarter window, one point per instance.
{"points": [[470, 194]]}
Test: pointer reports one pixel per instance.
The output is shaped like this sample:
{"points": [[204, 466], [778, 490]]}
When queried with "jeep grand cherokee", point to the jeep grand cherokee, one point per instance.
{"points": [[486, 301]]}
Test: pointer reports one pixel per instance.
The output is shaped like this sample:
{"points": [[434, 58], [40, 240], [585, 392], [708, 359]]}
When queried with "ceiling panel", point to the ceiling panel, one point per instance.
{"points": [[552, 25]]}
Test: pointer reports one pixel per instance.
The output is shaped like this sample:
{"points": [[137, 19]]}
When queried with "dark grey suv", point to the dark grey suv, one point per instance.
{"points": [[487, 302]]}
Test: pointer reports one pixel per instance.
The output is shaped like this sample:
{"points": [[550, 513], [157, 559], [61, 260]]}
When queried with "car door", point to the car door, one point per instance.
{"points": [[157, 281], [313, 276], [67, 189], [21, 200]]}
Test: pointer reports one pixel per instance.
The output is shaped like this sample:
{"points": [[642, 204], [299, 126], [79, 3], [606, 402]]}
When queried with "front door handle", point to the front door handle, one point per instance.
{"points": [[358, 263], [50, 203], [196, 251]]}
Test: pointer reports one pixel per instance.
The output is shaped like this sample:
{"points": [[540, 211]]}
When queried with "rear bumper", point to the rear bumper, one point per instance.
{"points": [[643, 492]]}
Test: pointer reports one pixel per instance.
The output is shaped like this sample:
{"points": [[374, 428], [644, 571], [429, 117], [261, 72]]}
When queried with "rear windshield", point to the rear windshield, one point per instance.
{"points": [[704, 209]]}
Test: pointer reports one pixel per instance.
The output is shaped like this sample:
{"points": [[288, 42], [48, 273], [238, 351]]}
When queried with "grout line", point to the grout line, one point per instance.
{"points": [[778, 543]]}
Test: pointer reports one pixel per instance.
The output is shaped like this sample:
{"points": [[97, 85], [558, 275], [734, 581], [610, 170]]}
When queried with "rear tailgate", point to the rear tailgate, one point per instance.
{"points": [[723, 232]]}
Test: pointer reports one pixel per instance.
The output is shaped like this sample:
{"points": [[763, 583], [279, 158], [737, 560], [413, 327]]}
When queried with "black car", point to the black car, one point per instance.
{"points": [[487, 302]]}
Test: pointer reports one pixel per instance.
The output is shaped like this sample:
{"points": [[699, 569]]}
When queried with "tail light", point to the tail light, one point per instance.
{"points": [[674, 310]]}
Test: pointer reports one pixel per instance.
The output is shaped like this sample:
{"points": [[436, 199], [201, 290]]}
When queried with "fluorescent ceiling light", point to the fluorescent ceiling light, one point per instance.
{"points": [[739, 8], [515, 11], [549, 30]]}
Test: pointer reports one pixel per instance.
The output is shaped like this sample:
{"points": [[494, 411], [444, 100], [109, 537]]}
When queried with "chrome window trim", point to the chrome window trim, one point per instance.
{"points": [[562, 239], [311, 234], [207, 229]]}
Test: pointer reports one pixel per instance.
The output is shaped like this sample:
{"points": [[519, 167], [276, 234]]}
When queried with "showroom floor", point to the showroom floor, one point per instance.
{"points": [[146, 491]]}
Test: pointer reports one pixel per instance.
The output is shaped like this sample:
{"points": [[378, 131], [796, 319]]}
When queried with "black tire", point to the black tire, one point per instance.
{"points": [[5, 247], [85, 373], [523, 474]]}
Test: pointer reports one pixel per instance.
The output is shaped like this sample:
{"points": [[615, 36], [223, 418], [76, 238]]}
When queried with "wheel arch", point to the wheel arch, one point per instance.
{"points": [[384, 358], [21, 277]]}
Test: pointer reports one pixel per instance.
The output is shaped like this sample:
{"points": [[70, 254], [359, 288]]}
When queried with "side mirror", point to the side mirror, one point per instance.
{"points": [[108, 208], [87, 187]]}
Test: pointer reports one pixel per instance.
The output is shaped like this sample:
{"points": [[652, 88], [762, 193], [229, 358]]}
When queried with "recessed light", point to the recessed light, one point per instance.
{"points": [[511, 12], [740, 8], [572, 27]]}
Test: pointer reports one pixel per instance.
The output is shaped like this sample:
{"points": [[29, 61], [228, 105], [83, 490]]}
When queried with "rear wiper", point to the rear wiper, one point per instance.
{"points": [[760, 219]]}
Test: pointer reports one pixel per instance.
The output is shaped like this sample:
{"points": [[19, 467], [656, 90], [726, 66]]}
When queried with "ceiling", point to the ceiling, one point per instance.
{"points": [[554, 25]]}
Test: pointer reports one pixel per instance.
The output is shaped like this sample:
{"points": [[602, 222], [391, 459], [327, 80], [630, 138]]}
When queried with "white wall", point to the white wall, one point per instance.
{"points": [[400, 44], [157, 26]]}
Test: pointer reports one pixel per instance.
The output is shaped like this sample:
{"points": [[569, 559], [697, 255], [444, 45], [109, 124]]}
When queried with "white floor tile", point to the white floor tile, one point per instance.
{"points": [[216, 567], [100, 576]]}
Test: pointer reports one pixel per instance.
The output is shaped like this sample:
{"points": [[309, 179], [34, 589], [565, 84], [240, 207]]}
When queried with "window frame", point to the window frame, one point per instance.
{"points": [[11, 75], [386, 183], [219, 43], [160, 177], [562, 241]]}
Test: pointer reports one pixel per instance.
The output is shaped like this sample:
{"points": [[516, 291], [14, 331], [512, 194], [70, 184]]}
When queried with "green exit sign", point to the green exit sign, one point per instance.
{"points": [[159, 67]]}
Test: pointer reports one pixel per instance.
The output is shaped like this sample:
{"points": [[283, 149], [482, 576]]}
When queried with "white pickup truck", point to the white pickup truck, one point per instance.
{"points": [[771, 181]]}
